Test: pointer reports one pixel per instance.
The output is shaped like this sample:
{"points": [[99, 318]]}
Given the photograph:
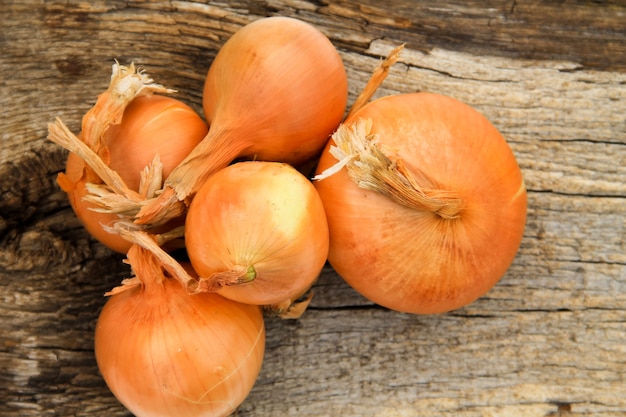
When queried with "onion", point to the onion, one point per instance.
{"points": [[276, 91], [163, 352], [429, 211], [151, 125], [256, 232]]}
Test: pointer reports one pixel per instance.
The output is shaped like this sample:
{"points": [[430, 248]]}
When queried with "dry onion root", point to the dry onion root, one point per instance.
{"points": [[425, 202]]}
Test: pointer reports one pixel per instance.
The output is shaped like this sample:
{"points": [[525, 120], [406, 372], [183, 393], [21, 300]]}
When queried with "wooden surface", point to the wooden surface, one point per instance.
{"points": [[548, 340]]}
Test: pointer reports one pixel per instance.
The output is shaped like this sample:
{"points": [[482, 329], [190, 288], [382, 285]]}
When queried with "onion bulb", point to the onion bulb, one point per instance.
{"points": [[276, 91], [151, 125], [427, 207], [163, 352], [256, 232]]}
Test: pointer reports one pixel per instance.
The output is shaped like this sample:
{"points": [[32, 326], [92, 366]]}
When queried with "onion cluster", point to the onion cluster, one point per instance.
{"points": [[418, 203]]}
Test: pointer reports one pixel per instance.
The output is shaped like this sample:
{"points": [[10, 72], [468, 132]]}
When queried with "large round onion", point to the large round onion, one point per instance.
{"points": [[453, 224]]}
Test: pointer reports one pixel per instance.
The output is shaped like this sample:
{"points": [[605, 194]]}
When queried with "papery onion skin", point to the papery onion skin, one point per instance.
{"points": [[165, 353], [260, 215], [151, 125], [412, 260]]}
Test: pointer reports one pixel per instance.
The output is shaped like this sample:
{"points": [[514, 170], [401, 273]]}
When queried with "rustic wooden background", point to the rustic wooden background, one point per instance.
{"points": [[548, 340]]}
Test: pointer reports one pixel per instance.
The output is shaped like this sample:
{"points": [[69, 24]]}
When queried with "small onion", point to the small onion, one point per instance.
{"points": [[151, 125], [163, 352], [257, 233], [429, 211]]}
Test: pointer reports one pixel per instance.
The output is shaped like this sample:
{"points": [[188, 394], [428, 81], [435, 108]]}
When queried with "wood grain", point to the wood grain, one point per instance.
{"points": [[548, 340]]}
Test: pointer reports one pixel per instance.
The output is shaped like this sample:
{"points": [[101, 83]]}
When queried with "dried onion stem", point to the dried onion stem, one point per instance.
{"points": [[355, 148], [60, 134], [170, 264], [377, 78]]}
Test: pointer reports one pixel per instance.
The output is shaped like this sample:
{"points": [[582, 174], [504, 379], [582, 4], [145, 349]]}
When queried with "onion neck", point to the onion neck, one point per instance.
{"points": [[163, 263], [149, 274], [355, 148], [127, 83], [146, 267], [216, 151]]}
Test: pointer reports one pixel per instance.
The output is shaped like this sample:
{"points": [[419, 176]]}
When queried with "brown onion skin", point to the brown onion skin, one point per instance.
{"points": [[165, 353], [150, 125], [415, 261]]}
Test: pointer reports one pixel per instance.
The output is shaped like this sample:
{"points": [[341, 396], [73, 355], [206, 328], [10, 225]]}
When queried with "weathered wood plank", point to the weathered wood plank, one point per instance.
{"points": [[547, 340]]}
